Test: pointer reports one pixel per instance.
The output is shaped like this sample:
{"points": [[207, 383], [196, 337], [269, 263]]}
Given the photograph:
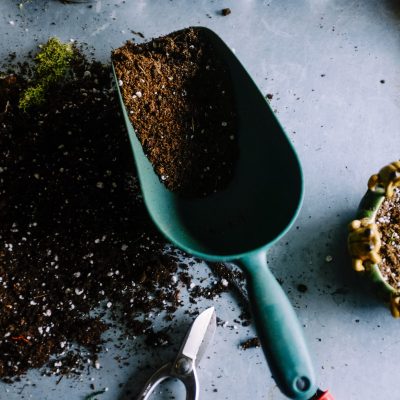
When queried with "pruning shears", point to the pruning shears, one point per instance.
{"points": [[187, 359]]}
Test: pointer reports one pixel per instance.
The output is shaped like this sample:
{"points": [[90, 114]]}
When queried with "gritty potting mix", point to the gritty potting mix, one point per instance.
{"points": [[388, 222]]}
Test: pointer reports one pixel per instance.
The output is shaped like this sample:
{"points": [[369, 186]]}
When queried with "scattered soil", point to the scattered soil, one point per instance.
{"points": [[388, 221], [74, 233], [179, 97]]}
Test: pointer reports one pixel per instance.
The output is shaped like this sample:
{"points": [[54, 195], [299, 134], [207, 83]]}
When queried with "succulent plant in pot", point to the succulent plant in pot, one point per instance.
{"points": [[374, 236]]}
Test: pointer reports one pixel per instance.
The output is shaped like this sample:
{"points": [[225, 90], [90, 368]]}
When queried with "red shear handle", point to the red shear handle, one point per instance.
{"points": [[323, 396]]}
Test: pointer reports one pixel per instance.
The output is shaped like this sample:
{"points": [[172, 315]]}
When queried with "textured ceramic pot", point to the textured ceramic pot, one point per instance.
{"points": [[364, 239]]}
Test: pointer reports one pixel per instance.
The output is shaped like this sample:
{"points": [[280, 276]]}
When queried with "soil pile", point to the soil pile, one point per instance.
{"points": [[74, 233]]}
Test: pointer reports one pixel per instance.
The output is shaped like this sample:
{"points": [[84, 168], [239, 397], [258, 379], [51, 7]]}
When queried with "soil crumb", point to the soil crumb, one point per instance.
{"points": [[250, 343], [226, 11]]}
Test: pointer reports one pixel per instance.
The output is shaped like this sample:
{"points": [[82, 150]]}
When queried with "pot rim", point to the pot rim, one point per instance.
{"points": [[368, 208]]}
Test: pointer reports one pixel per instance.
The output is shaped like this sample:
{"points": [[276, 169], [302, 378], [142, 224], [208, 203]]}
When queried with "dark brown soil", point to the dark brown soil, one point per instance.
{"points": [[250, 343], [302, 288], [226, 11], [74, 233], [179, 97], [388, 221]]}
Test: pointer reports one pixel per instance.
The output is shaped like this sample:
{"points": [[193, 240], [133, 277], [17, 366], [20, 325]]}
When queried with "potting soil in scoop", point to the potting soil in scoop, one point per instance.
{"points": [[179, 97]]}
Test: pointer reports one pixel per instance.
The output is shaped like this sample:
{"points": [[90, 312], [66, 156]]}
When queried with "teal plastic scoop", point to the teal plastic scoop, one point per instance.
{"points": [[242, 222]]}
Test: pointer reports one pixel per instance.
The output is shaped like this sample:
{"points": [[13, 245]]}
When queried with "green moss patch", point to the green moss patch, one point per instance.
{"points": [[52, 65]]}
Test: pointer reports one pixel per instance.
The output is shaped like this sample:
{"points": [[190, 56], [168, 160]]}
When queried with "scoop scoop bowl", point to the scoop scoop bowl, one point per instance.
{"points": [[240, 223]]}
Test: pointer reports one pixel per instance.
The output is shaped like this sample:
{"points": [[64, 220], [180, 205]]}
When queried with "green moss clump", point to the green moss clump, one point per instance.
{"points": [[32, 96], [52, 64], [53, 61]]}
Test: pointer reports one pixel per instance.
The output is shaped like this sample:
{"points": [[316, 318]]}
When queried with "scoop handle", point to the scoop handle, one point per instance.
{"points": [[278, 329]]}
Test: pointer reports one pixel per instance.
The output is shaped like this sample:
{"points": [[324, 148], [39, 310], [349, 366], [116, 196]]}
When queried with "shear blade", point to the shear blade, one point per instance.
{"points": [[199, 335]]}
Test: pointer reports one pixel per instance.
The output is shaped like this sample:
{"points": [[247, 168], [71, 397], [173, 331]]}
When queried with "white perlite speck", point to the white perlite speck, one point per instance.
{"points": [[47, 313], [78, 291], [328, 258], [124, 247], [224, 282], [109, 304], [120, 83]]}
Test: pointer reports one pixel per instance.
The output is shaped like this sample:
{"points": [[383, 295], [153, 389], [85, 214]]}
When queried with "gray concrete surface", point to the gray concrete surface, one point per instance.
{"points": [[322, 60]]}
